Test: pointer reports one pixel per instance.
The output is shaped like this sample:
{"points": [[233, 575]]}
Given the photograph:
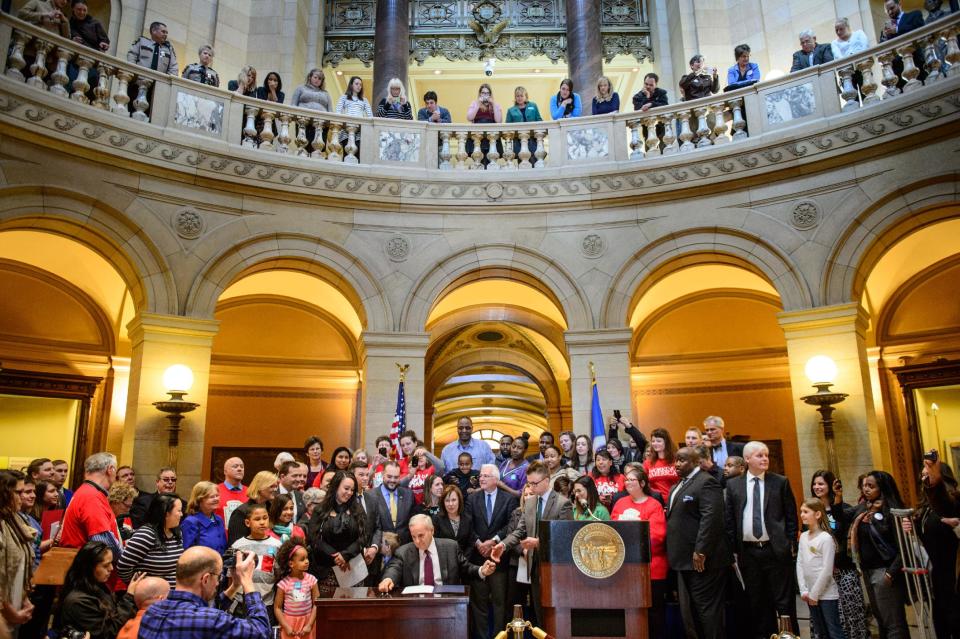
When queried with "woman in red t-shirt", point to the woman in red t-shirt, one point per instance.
{"points": [[421, 468], [659, 466], [609, 482], [640, 505]]}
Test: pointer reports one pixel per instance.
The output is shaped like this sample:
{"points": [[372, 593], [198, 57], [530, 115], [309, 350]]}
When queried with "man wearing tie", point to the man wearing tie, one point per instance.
{"points": [[543, 504], [761, 520], [429, 561], [394, 503], [697, 548], [291, 475], [715, 429], [489, 510], [373, 534]]}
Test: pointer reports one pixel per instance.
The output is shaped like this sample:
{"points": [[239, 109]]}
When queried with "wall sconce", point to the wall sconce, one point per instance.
{"points": [[178, 379], [822, 371]]}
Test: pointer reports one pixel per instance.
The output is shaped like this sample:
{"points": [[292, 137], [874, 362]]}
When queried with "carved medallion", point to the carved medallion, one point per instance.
{"points": [[397, 248], [494, 191], [806, 215], [593, 246], [188, 224], [598, 550]]}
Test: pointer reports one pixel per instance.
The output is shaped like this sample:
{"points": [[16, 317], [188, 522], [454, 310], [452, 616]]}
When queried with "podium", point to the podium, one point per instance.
{"points": [[363, 612], [579, 606]]}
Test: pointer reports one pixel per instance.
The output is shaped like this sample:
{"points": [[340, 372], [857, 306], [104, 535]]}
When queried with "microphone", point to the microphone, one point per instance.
{"points": [[586, 509]]}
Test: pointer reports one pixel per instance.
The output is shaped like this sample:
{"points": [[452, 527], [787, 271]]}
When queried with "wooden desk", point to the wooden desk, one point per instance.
{"points": [[358, 612]]}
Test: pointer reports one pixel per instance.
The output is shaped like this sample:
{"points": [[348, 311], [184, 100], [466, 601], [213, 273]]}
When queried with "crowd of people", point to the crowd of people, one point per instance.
{"points": [[725, 536], [155, 51]]}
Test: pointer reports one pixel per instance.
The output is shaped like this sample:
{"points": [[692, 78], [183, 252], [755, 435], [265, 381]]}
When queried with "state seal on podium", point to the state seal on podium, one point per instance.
{"points": [[598, 550]]}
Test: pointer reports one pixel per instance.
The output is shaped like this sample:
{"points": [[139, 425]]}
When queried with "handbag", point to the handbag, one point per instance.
{"points": [[54, 565]]}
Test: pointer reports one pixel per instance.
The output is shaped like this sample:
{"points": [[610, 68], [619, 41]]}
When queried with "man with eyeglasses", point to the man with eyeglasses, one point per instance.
{"points": [[543, 504], [166, 485]]}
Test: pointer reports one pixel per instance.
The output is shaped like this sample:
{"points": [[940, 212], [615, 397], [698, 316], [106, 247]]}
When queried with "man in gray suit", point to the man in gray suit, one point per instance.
{"points": [[810, 54], [543, 504], [429, 561]]}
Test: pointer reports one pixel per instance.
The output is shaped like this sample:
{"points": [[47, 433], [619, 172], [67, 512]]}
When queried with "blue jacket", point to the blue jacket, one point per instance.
{"points": [[199, 530], [556, 111], [753, 74], [423, 115]]}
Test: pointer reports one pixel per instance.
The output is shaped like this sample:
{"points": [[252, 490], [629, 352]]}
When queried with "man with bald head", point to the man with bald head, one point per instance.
{"points": [[186, 612], [149, 591], [232, 491]]}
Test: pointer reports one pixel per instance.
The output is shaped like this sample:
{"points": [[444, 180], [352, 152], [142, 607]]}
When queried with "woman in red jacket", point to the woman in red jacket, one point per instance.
{"points": [[640, 505], [659, 465]]}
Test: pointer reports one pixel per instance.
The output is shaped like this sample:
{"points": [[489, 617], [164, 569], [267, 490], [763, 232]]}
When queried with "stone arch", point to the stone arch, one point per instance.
{"points": [[573, 300], [764, 258], [323, 259], [862, 242], [102, 229]]}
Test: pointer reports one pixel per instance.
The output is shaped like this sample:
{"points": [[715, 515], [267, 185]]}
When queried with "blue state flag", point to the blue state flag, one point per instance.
{"points": [[597, 430]]}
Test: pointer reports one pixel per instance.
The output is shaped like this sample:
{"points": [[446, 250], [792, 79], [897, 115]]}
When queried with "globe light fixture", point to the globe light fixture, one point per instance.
{"points": [[177, 380], [822, 371]]}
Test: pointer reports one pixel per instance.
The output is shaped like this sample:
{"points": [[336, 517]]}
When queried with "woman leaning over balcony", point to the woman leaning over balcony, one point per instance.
{"points": [[312, 93], [272, 89], [607, 100], [246, 82], [523, 110], [566, 103], [743, 73], [353, 103], [484, 110], [394, 104]]}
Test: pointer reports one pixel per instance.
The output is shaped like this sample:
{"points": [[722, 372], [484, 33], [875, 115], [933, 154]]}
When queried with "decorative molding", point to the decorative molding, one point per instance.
{"points": [[397, 248], [593, 246], [805, 215], [230, 391], [715, 388], [188, 223]]}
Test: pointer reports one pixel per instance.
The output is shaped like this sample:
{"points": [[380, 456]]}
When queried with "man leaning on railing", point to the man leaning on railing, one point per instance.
{"points": [[47, 14], [154, 52]]}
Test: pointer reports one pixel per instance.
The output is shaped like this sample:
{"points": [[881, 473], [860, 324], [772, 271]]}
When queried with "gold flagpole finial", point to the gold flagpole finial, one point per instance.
{"points": [[593, 373], [403, 370]]}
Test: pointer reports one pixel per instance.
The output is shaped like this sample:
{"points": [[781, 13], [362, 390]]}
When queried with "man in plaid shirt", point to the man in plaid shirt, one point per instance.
{"points": [[186, 613]]}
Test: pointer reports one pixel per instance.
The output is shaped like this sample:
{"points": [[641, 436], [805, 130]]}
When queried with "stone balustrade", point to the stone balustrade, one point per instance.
{"points": [[43, 61]]}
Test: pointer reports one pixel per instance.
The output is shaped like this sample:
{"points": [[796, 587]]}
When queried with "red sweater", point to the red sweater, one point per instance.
{"points": [[649, 511], [662, 475], [226, 496]]}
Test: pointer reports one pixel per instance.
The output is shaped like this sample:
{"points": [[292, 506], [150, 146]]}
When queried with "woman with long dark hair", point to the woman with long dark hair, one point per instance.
{"points": [[659, 467], [936, 523], [605, 475], [582, 460], [16, 553], [586, 501], [86, 603], [157, 545], [566, 103], [825, 487], [272, 89], [337, 529], [873, 540], [282, 526]]}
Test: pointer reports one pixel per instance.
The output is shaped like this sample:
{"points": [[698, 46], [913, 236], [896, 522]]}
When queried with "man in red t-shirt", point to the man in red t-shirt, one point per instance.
{"points": [[232, 491], [89, 516]]}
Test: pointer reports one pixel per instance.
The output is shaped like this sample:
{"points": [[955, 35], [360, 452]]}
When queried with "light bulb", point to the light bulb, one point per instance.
{"points": [[821, 369], [178, 378], [934, 407]]}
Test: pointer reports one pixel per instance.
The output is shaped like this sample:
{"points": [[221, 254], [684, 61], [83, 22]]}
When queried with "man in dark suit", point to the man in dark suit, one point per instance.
{"points": [[429, 561], [715, 430], [291, 478], [546, 439], [489, 510], [373, 535], [810, 54], [543, 504], [166, 485], [902, 22], [697, 548], [394, 503], [761, 521]]}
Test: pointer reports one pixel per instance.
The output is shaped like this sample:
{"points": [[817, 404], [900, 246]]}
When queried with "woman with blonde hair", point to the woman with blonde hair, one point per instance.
{"points": [[246, 82], [312, 93], [606, 100], [523, 110], [202, 526], [394, 104], [262, 489]]}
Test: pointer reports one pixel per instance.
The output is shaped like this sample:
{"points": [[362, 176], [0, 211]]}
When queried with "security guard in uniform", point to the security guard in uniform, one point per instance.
{"points": [[201, 71], [154, 52]]}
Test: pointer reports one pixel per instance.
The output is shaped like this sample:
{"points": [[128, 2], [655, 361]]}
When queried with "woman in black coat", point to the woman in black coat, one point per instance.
{"points": [[337, 530], [87, 605], [936, 519], [451, 522]]}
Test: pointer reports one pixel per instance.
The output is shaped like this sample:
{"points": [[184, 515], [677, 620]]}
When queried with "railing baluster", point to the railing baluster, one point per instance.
{"points": [[141, 103], [931, 59], [476, 156], [703, 129], [636, 144], [333, 142], [81, 85], [302, 123], [509, 161], [670, 135], [890, 78], [317, 143], [719, 124], [266, 132], [38, 70], [250, 127], [120, 97], [953, 50], [445, 151], [910, 70], [350, 150], [848, 91], [59, 79], [686, 135], [541, 151], [493, 156], [869, 86], [283, 133], [16, 61], [105, 74], [525, 154], [461, 151], [739, 124]]}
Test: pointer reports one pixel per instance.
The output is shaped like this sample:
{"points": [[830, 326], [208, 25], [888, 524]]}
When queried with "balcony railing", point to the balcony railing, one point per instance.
{"points": [[43, 61]]}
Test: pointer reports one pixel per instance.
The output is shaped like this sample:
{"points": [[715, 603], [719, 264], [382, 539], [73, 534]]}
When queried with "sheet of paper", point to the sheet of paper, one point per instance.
{"points": [[523, 571], [417, 590], [356, 574]]}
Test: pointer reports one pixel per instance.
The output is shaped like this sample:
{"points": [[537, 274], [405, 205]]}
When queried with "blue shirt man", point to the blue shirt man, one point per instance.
{"points": [[432, 112], [478, 449]]}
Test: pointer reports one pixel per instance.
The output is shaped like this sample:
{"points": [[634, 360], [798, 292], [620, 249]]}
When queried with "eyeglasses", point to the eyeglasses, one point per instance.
{"points": [[168, 480], [536, 483]]}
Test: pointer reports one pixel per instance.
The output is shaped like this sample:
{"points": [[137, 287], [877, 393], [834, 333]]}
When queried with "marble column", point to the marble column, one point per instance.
{"points": [[584, 48], [609, 350], [391, 46], [158, 342], [837, 332], [381, 354]]}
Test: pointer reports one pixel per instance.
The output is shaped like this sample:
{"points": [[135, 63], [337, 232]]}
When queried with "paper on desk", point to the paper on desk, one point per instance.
{"points": [[523, 571], [417, 590], [356, 574]]}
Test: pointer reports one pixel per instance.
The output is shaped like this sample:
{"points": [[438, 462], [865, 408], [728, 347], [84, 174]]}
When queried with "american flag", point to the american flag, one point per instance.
{"points": [[399, 422]]}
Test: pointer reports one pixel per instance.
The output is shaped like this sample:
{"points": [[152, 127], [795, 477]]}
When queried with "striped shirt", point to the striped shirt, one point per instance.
{"points": [[297, 595], [266, 551], [144, 553]]}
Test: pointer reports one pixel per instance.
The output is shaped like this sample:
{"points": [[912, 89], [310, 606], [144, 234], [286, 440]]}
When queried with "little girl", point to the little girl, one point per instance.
{"points": [[282, 526], [815, 570], [294, 610]]}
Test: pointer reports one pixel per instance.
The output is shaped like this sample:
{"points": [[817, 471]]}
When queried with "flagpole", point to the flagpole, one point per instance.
{"points": [[593, 373]]}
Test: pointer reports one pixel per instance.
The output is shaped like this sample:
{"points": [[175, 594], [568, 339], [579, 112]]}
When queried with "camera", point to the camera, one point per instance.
{"points": [[384, 452], [616, 414], [72, 633], [488, 67]]}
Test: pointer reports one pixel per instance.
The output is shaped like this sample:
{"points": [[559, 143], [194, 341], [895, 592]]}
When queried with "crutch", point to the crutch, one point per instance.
{"points": [[916, 572]]}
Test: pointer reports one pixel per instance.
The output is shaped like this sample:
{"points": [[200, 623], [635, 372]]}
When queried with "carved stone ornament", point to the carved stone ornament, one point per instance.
{"points": [[188, 224], [593, 246], [805, 216], [494, 190], [397, 248]]}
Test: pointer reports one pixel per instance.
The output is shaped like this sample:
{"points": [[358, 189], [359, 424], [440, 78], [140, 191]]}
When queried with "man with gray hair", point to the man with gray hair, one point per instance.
{"points": [[761, 521], [489, 509], [89, 516], [810, 54], [714, 430]]}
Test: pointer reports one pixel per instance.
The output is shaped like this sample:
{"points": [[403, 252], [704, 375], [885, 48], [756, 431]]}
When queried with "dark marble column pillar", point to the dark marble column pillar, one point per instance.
{"points": [[391, 46], [584, 48]]}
